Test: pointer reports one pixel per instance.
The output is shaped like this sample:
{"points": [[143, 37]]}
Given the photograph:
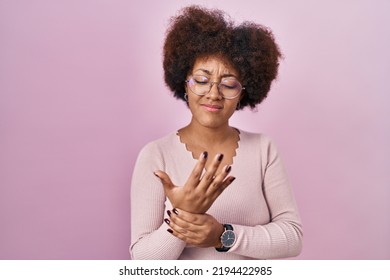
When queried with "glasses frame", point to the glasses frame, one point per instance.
{"points": [[211, 86]]}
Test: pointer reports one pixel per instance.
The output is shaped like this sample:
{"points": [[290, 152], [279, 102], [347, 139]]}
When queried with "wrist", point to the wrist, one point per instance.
{"points": [[220, 231]]}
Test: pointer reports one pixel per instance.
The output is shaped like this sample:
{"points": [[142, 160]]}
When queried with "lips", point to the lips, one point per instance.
{"points": [[212, 108]]}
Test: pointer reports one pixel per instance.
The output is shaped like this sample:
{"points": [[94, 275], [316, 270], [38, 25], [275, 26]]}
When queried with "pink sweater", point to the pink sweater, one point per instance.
{"points": [[259, 203]]}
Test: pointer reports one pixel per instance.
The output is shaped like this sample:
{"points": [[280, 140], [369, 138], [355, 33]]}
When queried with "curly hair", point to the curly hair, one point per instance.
{"points": [[199, 32]]}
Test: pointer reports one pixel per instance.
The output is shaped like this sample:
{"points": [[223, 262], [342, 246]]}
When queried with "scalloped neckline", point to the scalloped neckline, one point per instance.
{"points": [[192, 153]]}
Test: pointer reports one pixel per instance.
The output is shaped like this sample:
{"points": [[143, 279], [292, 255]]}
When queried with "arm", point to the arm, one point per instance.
{"points": [[280, 238], [149, 236]]}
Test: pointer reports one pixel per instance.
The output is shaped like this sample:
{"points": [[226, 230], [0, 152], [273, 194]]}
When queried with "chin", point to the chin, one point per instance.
{"points": [[213, 124], [210, 120]]}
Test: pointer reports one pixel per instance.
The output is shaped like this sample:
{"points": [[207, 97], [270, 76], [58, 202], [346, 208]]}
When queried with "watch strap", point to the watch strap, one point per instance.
{"points": [[228, 227]]}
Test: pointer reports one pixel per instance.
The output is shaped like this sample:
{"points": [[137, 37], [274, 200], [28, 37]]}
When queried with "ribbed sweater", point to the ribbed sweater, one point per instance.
{"points": [[259, 204]]}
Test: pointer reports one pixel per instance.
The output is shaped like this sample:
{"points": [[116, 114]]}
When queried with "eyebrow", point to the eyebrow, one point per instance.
{"points": [[209, 73]]}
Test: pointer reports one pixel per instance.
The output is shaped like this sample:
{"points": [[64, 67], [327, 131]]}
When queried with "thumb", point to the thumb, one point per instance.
{"points": [[165, 180]]}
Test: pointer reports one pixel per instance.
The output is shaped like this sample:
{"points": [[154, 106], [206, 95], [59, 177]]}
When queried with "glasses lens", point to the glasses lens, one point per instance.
{"points": [[199, 85], [230, 88]]}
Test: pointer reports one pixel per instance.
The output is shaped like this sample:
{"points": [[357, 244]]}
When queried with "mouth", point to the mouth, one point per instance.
{"points": [[212, 108]]}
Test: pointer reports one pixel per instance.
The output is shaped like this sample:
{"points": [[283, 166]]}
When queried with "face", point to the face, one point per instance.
{"points": [[212, 110]]}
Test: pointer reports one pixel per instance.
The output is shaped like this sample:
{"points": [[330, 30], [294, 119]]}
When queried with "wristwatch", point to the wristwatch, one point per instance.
{"points": [[228, 238]]}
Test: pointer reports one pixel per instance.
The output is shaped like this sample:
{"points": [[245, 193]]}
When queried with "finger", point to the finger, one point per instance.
{"points": [[183, 237], [165, 180], [184, 218], [179, 225], [214, 192], [209, 174], [194, 235], [186, 230], [220, 180], [180, 216], [196, 173]]}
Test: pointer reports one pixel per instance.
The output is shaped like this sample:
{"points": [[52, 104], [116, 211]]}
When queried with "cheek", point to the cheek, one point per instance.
{"points": [[192, 101], [231, 106]]}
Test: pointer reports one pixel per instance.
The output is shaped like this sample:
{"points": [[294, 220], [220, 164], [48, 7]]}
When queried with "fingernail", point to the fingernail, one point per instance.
{"points": [[155, 174], [174, 210], [169, 213], [220, 157], [170, 231], [167, 221], [232, 179], [205, 154], [228, 168]]}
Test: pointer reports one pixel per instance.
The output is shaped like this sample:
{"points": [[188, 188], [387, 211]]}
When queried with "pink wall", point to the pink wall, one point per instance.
{"points": [[81, 91]]}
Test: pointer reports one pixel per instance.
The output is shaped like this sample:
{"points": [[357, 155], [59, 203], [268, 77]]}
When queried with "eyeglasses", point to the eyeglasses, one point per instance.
{"points": [[229, 87]]}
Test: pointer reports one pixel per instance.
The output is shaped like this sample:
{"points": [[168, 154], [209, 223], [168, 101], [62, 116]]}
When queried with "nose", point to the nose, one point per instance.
{"points": [[214, 93]]}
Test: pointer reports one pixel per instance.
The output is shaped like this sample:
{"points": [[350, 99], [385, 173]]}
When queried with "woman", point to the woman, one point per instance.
{"points": [[184, 202]]}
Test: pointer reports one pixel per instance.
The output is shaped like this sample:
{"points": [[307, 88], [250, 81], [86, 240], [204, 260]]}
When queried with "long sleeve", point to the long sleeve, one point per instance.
{"points": [[259, 203], [281, 237], [149, 236]]}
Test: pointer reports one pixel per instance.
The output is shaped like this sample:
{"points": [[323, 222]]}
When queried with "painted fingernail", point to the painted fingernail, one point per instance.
{"points": [[170, 231], [232, 179], [220, 157], [228, 168], [205, 154], [174, 210], [167, 221], [169, 213]]}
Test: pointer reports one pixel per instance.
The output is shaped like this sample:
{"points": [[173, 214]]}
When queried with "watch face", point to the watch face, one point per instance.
{"points": [[228, 238]]}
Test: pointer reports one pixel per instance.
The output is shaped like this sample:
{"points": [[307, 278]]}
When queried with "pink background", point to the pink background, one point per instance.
{"points": [[81, 91]]}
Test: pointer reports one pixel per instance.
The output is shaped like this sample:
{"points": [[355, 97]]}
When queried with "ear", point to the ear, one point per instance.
{"points": [[242, 94]]}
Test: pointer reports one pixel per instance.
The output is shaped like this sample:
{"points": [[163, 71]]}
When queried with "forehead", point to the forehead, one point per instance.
{"points": [[214, 66]]}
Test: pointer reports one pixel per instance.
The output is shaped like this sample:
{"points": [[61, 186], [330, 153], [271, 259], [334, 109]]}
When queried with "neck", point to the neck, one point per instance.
{"points": [[209, 135]]}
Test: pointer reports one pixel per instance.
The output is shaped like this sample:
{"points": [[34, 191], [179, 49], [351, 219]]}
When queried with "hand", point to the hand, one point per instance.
{"points": [[199, 192], [200, 230]]}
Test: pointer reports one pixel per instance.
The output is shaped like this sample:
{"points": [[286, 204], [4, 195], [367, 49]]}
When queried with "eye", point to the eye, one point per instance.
{"points": [[200, 80], [230, 84]]}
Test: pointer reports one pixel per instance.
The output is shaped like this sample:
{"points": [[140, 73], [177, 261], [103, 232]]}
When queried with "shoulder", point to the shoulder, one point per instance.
{"points": [[258, 144], [263, 147], [252, 138]]}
